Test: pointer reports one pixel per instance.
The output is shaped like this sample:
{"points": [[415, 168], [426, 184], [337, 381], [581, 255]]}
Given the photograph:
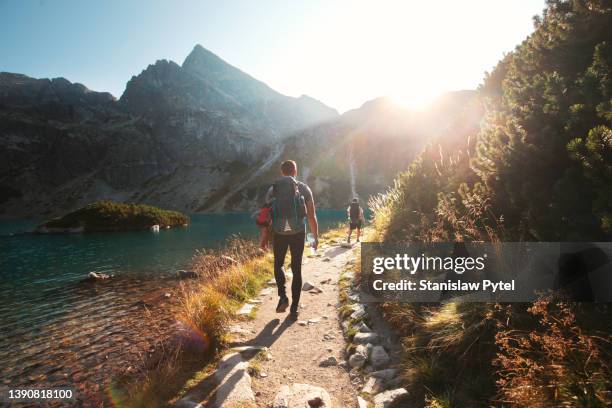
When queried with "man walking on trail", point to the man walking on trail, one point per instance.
{"points": [[356, 219], [292, 204]]}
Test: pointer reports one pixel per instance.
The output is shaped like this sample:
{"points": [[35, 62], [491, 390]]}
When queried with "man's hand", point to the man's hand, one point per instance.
{"points": [[312, 221]]}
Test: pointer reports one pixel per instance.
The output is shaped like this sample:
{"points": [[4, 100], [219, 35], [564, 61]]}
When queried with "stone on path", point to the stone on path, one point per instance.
{"points": [[328, 362], [316, 290], [361, 403], [387, 399], [234, 381], [307, 286], [246, 309], [365, 338], [301, 396], [379, 357]]}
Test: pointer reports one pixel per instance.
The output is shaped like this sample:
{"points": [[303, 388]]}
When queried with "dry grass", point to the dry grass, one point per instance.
{"points": [[555, 353], [211, 304], [227, 278]]}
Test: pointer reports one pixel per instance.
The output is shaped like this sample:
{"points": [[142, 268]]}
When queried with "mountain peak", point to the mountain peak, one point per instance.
{"points": [[202, 61]]}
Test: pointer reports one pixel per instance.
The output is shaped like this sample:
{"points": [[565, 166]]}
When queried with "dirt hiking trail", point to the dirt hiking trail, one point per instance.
{"points": [[275, 361]]}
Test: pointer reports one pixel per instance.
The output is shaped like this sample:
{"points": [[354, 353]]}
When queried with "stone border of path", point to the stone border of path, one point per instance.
{"points": [[370, 349], [232, 375]]}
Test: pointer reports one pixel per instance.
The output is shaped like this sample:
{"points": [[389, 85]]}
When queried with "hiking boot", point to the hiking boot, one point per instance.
{"points": [[283, 302]]}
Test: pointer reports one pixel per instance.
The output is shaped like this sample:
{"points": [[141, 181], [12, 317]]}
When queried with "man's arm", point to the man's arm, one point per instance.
{"points": [[312, 221]]}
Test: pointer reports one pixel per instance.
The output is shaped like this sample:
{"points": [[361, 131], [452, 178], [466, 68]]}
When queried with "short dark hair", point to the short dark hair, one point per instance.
{"points": [[289, 167]]}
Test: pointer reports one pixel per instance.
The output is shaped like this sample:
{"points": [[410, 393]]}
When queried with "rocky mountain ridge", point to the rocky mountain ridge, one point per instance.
{"points": [[201, 136], [175, 136]]}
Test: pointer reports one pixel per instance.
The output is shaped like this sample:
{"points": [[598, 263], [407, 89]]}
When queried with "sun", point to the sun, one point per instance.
{"points": [[415, 99]]}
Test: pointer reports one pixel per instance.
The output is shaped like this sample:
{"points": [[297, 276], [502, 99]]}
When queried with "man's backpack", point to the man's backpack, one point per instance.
{"points": [[288, 207], [354, 212]]}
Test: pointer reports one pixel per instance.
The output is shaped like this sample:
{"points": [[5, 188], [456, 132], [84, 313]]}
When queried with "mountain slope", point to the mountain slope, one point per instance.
{"points": [[361, 152], [176, 136]]}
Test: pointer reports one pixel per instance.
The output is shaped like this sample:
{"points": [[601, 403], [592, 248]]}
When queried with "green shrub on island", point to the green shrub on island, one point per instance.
{"points": [[106, 215]]}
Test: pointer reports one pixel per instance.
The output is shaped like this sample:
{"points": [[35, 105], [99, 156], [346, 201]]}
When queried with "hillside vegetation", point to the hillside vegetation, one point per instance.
{"points": [[539, 169], [106, 215]]}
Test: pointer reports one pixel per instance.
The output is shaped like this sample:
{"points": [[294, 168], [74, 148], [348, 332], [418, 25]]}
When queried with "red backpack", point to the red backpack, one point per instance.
{"points": [[265, 216]]}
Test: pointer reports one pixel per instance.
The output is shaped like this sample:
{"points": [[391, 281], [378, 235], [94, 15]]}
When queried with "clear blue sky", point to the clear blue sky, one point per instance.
{"points": [[341, 52]]}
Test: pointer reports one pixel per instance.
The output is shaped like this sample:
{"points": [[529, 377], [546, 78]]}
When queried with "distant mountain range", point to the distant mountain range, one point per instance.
{"points": [[203, 136]]}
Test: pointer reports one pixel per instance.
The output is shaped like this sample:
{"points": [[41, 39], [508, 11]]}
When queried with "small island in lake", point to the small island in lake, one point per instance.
{"points": [[107, 215]]}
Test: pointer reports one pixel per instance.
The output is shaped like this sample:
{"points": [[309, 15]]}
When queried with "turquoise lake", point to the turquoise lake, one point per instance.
{"points": [[49, 260], [57, 328]]}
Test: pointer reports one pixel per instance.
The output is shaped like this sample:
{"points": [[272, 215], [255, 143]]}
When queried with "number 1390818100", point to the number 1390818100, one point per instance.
{"points": [[28, 394]]}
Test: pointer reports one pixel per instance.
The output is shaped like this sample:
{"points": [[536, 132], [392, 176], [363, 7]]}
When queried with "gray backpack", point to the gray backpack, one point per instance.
{"points": [[288, 207]]}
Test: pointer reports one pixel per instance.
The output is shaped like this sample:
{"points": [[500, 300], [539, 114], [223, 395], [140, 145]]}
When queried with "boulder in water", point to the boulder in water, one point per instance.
{"points": [[183, 274], [95, 276], [141, 303]]}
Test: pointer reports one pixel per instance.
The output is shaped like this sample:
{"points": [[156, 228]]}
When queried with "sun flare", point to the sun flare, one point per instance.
{"points": [[414, 100]]}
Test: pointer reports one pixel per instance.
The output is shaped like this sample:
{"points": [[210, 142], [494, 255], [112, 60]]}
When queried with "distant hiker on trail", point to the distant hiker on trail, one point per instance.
{"points": [[356, 219], [292, 204]]}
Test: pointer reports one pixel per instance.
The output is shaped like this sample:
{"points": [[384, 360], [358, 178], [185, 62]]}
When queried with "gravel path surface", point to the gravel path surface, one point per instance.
{"points": [[298, 347]]}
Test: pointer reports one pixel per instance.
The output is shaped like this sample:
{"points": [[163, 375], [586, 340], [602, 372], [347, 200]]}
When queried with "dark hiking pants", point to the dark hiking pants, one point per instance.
{"points": [[295, 243]]}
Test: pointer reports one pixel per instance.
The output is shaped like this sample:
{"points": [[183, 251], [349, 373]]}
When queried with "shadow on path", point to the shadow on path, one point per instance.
{"points": [[334, 252], [268, 335]]}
